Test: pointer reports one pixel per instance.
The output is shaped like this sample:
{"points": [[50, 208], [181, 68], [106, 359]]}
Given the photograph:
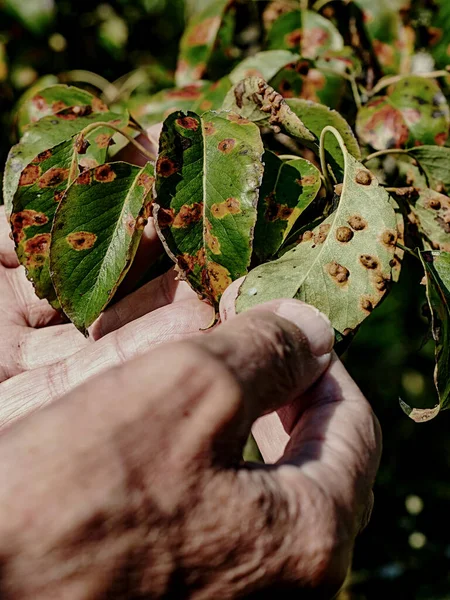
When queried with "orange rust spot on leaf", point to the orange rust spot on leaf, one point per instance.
{"points": [[58, 195], [389, 237], [87, 163], [58, 105], [216, 279], [165, 217], [166, 167], [98, 105], [338, 272], [380, 282], [344, 234], [234, 118], [322, 234], [338, 189], [53, 176], [231, 206], [24, 219], [363, 177], [39, 102], [227, 145], [308, 180], [366, 304], [102, 140], [29, 175], [146, 181], [204, 33], [104, 174], [187, 215], [209, 128], [190, 91], [141, 222], [39, 244], [211, 240], [84, 178], [368, 261], [81, 240], [357, 223], [187, 123], [74, 112], [294, 38], [130, 224], [206, 105], [440, 138], [42, 156], [307, 236]]}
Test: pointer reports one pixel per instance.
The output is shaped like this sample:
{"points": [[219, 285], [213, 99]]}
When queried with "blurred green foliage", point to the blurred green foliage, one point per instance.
{"points": [[405, 551]]}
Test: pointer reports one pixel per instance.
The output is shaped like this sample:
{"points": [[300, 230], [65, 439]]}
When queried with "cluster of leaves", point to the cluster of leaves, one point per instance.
{"points": [[257, 173]]}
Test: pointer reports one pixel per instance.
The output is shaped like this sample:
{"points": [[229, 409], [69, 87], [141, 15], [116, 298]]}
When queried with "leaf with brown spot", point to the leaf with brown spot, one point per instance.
{"points": [[324, 269], [54, 99], [47, 133], [207, 193], [434, 161], [432, 217], [206, 47], [414, 112], [287, 189], [95, 237], [256, 101]]}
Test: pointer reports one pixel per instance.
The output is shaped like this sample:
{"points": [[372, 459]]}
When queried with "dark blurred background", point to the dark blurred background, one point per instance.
{"points": [[405, 551]]}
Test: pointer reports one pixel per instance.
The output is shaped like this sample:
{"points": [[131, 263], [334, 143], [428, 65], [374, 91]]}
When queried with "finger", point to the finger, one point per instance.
{"points": [[8, 256], [33, 389], [163, 290], [150, 141]]}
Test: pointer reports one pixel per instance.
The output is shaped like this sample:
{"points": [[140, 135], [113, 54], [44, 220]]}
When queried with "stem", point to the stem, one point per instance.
{"points": [[350, 79], [288, 157], [383, 153], [385, 82], [136, 144], [108, 90], [406, 249]]}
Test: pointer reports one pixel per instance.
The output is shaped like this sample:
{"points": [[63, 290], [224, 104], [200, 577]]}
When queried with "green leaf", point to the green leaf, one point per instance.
{"points": [[43, 135], [437, 276], [198, 44], [95, 235], [36, 16], [255, 100], [212, 96], [440, 34], [316, 117], [54, 99], [415, 112], [435, 163], [41, 187], [305, 32], [432, 217], [207, 178], [286, 190], [264, 64], [392, 39], [343, 266]]}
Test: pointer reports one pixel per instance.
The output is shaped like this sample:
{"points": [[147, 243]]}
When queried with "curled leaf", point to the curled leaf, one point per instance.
{"points": [[95, 235], [343, 266], [207, 178], [434, 161]]}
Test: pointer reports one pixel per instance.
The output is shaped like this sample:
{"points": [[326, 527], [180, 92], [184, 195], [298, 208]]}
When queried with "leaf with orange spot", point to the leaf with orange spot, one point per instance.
{"points": [[54, 99], [413, 113], [305, 32], [431, 211], [434, 161], [342, 266], [287, 189], [44, 135], [95, 235], [265, 64], [206, 47], [207, 178]]}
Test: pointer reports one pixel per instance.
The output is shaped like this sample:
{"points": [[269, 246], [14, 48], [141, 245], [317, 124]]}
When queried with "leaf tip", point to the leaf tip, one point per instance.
{"points": [[419, 415]]}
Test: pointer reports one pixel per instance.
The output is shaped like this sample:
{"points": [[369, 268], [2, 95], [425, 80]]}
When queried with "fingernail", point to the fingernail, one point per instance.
{"points": [[313, 324]]}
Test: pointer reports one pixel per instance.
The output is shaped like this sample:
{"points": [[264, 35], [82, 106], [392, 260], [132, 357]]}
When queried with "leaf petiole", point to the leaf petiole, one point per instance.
{"points": [[149, 155]]}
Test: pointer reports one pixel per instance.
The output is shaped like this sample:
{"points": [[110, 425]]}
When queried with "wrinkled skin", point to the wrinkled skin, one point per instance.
{"points": [[128, 483]]}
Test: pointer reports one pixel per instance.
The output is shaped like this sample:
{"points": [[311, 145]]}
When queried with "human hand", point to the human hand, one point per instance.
{"points": [[132, 485]]}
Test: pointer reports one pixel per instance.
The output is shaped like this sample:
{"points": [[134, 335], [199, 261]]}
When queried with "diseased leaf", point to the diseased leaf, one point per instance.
{"points": [[198, 44], [207, 178], [439, 34], [255, 100], [437, 275], [432, 216], [392, 40], [415, 112], [54, 99], [95, 235], [308, 79], [316, 117], [305, 32], [212, 96], [265, 65], [43, 135], [343, 266], [42, 185], [435, 163], [287, 189]]}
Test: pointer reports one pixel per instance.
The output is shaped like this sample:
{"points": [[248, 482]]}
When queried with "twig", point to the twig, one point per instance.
{"points": [[136, 144], [386, 81], [384, 152]]}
